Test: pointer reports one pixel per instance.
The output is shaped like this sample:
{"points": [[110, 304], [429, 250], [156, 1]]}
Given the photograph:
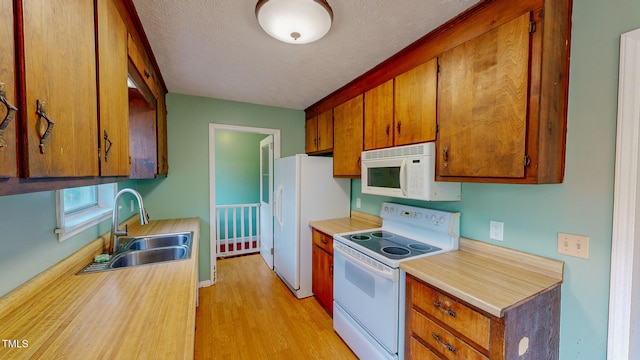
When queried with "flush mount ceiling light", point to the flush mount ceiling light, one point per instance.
{"points": [[294, 21]]}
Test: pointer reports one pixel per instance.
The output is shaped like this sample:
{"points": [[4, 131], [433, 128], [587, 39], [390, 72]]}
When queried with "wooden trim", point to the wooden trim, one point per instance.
{"points": [[545, 266]]}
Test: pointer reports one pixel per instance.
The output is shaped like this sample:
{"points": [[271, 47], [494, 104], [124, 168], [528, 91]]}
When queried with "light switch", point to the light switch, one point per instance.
{"points": [[573, 245]]}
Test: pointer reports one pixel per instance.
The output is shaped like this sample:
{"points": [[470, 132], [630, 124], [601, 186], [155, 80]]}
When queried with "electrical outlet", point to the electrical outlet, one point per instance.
{"points": [[358, 203], [496, 230], [573, 245]]}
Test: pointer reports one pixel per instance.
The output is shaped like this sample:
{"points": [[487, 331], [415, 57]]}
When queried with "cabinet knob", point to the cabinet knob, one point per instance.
{"points": [[41, 112], [11, 113]]}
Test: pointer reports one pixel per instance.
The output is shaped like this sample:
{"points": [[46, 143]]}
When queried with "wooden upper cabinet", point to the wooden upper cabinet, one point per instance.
{"points": [[143, 144], [483, 104], [402, 111], [500, 94], [378, 117], [60, 85], [161, 129], [141, 64], [311, 135], [415, 104], [319, 133], [8, 98], [348, 134], [112, 87]]}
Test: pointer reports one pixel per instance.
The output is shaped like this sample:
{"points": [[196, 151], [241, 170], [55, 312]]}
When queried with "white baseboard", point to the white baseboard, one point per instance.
{"points": [[205, 283]]}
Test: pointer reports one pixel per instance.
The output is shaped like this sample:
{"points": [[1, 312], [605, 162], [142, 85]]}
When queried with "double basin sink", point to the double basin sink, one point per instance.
{"points": [[146, 250]]}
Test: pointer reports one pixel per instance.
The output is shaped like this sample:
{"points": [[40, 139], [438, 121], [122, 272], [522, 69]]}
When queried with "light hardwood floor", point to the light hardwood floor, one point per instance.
{"points": [[251, 314]]}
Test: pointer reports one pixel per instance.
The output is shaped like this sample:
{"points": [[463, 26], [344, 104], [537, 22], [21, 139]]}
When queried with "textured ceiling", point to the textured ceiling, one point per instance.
{"points": [[216, 49]]}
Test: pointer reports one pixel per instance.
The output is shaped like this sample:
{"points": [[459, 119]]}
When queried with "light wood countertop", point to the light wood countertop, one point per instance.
{"points": [[145, 312], [357, 221], [489, 277]]}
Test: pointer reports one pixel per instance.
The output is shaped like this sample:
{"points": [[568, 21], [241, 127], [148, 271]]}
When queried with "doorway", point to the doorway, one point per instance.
{"points": [[624, 316], [215, 136]]}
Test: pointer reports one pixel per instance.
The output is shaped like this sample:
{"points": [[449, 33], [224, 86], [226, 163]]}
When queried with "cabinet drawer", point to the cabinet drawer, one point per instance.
{"points": [[418, 351], [323, 240], [441, 340], [457, 316]]}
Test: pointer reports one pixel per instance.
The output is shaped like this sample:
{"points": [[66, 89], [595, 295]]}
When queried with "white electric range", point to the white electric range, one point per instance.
{"points": [[366, 277]]}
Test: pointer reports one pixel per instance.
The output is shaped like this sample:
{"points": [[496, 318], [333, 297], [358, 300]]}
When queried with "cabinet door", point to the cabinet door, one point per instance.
{"points": [[325, 130], [483, 104], [161, 125], [8, 164], [311, 135], [347, 142], [113, 95], [415, 104], [322, 277], [60, 76], [378, 116], [143, 146]]}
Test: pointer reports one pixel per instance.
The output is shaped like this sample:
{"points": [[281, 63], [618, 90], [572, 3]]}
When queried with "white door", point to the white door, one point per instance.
{"points": [[266, 201]]}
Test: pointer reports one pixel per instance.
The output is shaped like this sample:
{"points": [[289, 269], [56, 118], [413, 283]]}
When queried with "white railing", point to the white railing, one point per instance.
{"points": [[238, 229]]}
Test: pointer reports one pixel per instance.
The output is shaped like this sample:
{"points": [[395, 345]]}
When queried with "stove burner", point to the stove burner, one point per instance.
{"points": [[382, 234], [360, 237], [395, 250], [419, 247]]}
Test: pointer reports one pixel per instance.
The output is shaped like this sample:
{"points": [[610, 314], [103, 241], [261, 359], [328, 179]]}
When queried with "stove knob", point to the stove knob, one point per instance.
{"points": [[418, 215], [442, 220], [433, 218]]}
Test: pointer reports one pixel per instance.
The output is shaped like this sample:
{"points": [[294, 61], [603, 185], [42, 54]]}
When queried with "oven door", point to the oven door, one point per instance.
{"points": [[368, 292]]}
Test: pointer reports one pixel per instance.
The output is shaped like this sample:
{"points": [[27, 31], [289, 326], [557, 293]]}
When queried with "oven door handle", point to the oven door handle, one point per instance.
{"points": [[403, 177], [364, 266]]}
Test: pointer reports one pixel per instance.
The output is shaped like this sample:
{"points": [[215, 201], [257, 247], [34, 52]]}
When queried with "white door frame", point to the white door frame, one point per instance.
{"points": [[625, 246], [212, 180]]}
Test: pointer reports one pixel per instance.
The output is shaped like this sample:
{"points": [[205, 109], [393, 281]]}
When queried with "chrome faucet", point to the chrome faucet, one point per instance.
{"points": [[114, 241]]}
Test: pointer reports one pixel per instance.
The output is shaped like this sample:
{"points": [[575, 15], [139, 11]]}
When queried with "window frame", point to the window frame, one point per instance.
{"points": [[71, 224]]}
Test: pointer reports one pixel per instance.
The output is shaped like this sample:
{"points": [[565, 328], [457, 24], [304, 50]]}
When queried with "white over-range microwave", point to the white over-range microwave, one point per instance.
{"points": [[406, 172]]}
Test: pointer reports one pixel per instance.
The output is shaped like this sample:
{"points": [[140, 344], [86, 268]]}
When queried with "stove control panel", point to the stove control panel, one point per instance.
{"points": [[435, 220]]}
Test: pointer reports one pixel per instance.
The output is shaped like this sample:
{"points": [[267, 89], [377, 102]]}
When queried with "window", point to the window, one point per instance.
{"points": [[80, 208]]}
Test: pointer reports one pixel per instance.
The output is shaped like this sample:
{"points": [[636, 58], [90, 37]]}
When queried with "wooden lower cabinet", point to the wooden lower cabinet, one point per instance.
{"points": [[440, 326], [322, 269]]}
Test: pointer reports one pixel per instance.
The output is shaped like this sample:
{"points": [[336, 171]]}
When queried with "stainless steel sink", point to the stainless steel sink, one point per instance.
{"points": [[149, 256], [158, 241], [146, 250]]}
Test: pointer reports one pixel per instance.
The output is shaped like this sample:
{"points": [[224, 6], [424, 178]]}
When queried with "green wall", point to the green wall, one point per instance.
{"points": [[237, 167], [185, 192], [28, 244], [583, 204]]}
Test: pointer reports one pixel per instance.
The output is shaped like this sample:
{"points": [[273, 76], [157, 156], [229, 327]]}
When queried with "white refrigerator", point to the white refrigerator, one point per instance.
{"points": [[305, 190]]}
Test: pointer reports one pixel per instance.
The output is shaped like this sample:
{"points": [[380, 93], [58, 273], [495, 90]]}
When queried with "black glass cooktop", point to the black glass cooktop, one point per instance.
{"points": [[391, 245]]}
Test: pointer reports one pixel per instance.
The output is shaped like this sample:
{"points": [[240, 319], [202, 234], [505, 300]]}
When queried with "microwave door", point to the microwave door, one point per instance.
{"points": [[403, 178]]}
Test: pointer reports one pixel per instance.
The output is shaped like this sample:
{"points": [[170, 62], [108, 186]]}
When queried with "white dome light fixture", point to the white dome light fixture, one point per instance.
{"points": [[295, 21]]}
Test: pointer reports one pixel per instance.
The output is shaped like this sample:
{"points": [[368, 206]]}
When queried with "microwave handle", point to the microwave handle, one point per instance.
{"points": [[403, 177]]}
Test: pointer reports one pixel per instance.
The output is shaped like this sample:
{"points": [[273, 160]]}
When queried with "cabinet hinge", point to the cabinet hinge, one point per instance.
{"points": [[527, 160], [271, 146], [437, 128], [532, 27], [438, 68]]}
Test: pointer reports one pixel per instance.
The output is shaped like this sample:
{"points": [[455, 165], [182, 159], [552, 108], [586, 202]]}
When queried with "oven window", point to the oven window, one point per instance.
{"points": [[384, 177]]}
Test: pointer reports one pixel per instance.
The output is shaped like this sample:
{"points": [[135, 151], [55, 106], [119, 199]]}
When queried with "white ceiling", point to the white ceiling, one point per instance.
{"points": [[216, 49]]}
